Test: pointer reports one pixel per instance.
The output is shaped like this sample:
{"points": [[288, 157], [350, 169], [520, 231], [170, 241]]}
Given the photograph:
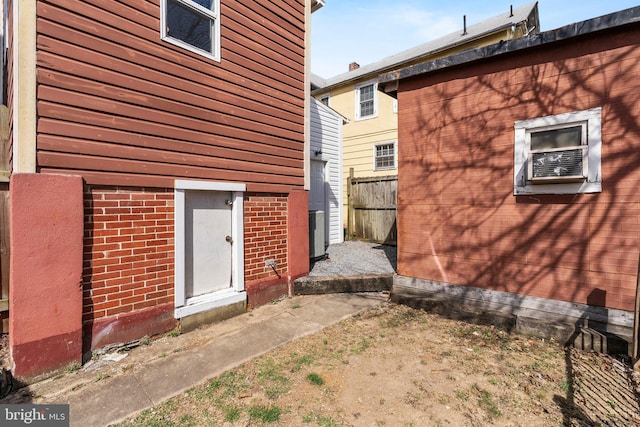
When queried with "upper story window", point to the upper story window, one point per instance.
{"points": [[325, 99], [366, 100], [193, 25], [384, 156], [559, 154]]}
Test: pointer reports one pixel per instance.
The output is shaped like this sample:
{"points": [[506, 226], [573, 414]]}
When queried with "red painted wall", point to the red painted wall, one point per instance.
{"points": [[458, 220], [298, 231], [45, 322]]}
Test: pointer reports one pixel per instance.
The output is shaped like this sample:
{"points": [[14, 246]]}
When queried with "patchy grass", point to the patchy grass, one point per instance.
{"points": [[101, 377], [265, 414], [390, 366], [485, 401], [315, 379], [73, 367]]}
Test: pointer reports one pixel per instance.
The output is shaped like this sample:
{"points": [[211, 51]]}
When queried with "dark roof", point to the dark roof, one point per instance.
{"points": [[388, 81]]}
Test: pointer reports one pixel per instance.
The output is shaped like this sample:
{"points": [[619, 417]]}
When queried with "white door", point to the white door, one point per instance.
{"points": [[317, 194], [208, 242]]}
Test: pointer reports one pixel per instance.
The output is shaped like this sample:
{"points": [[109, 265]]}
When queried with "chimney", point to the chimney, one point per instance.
{"points": [[354, 66]]}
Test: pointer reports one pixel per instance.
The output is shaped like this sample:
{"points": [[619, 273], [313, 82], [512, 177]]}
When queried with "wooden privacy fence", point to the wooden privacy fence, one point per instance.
{"points": [[372, 207]]}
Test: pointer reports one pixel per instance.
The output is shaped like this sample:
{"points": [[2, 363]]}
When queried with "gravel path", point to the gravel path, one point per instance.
{"points": [[355, 257]]}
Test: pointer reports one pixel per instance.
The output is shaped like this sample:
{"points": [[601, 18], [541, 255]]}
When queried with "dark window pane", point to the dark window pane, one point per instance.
{"points": [[185, 24], [557, 138], [204, 3]]}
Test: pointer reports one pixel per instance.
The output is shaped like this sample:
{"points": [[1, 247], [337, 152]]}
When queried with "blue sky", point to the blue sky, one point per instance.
{"points": [[366, 31]]}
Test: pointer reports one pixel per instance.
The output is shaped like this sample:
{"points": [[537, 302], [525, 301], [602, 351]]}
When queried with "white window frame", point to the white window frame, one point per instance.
{"points": [[395, 156], [591, 122], [373, 83], [213, 15]]}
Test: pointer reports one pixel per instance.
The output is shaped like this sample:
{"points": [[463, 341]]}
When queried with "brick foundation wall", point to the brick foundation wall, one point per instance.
{"points": [[265, 234], [128, 259], [128, 250]]}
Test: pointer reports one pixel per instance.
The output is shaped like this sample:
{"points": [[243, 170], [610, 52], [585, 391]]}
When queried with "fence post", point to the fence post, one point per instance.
{"points": [[349, 205]]}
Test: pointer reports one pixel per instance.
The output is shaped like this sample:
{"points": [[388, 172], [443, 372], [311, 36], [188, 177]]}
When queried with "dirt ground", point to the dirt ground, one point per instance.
{"points": [[4, 351], [395, 366]]}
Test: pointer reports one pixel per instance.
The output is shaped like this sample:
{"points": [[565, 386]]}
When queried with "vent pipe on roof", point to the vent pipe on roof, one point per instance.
{"points": [[464, 24], [511, 12]]}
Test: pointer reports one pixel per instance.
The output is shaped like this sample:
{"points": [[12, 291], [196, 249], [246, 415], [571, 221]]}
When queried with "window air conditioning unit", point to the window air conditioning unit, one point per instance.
{"points": [[553, 166], [558, 155]]}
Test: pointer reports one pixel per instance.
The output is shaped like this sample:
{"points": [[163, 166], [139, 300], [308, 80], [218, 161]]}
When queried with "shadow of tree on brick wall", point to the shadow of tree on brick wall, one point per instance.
{"points": [[459, 221]]}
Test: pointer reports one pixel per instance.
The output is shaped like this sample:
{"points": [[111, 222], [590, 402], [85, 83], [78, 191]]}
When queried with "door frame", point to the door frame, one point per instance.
{"points": [[234, 294]]}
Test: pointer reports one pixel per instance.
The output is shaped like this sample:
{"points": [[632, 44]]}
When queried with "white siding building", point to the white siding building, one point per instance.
{"points": [[326, 168]]}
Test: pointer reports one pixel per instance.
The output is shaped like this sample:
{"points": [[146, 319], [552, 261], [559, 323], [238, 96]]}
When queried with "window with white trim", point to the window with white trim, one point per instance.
{"points": [[325, 99], [558, 154], [366, 100], [193, 25], [384, 156]]}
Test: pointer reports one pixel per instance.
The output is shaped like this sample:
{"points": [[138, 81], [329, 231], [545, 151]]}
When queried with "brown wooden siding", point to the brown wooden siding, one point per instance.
{"points": [[458, 220], [119, 106]]}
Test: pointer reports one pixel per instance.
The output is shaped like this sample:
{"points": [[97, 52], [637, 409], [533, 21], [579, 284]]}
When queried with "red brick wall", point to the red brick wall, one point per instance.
{"points": [[128, 250], [459, 221], [265, 234]]}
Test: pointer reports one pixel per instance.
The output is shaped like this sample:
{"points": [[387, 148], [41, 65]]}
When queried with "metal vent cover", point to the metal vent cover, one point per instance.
{"points": [[558, 164]]}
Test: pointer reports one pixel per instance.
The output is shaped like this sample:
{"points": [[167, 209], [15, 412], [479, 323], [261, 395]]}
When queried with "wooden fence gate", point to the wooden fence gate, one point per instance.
{"points": [[372, 207]]}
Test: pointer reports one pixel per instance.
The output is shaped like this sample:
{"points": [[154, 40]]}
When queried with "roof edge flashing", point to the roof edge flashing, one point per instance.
{"points": [[576, 29]]}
